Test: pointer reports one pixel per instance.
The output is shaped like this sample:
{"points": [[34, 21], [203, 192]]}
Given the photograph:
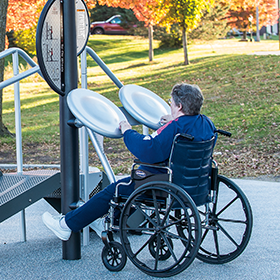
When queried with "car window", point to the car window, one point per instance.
{"points": [[116, 20]]}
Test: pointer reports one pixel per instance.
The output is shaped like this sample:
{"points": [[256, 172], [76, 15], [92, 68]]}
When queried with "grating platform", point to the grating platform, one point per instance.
{"points": [[20, 191], [97, 180]]}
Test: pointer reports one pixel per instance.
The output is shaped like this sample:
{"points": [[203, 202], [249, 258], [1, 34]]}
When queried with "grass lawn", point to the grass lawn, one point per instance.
{"points": [[241, 95]]}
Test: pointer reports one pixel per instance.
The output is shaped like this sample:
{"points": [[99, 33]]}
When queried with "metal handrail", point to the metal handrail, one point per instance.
{"points": [[15, 52], [104, 67], [16, 78]]}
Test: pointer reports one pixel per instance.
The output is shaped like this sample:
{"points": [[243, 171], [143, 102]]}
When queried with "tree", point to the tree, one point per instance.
{"points": [[15, 14], [148, 11], [241, 10], [213, 24], [3, 17], [187, 14]]}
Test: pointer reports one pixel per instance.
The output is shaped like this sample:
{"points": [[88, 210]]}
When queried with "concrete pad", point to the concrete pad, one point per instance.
{"points": [[41, 256]]}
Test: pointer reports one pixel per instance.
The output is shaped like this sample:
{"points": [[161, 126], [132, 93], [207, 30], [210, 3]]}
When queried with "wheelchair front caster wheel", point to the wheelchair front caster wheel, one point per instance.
{"points": [[163, 251], [113, 256]]}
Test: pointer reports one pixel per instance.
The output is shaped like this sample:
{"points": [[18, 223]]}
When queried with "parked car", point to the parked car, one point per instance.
{"points": [[110, 26]]}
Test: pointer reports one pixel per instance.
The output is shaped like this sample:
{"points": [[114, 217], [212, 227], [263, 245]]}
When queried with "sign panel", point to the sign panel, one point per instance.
{"points": [[82, 24], [50, 41]]}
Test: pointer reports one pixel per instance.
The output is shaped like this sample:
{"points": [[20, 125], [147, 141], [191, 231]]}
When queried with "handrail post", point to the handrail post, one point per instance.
{"points": [[83, 137], [18, 137]]}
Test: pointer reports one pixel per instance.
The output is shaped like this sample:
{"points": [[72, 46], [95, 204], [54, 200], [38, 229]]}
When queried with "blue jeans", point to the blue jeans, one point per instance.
{"points": [[97, 206]]}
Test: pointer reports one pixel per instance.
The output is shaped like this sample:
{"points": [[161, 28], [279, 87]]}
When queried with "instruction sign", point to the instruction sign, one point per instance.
{"points": [[50, 40]]}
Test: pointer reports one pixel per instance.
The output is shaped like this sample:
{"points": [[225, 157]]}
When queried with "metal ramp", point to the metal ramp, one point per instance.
{"points": [[17, 192]]}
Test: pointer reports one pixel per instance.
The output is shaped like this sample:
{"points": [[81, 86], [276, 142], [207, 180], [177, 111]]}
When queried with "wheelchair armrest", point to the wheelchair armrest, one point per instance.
{"points": [[187, 136], [160, 164]]}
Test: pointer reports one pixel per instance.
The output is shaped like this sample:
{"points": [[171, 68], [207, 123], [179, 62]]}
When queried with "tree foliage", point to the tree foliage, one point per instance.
{"points": [[213, 24], [187, 14], [3, 14], [148, 11], [23, 14], [241, 10]]}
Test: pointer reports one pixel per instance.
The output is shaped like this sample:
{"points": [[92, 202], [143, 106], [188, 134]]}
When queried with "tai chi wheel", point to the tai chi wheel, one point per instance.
{"points": [[113, 256], [230, 225], [160, 249]]}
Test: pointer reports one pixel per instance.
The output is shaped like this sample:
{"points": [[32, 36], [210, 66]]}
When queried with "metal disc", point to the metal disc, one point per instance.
{"points": [[143, 105], [96, 112]]}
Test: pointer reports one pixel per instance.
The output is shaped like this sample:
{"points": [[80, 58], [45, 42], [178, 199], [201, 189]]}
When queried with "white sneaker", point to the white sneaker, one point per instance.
{"points": [[98, 226], [53, 223]]}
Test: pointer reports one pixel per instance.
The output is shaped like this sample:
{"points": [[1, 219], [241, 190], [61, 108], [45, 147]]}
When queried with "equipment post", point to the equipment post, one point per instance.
{"points": [[69, 149]]}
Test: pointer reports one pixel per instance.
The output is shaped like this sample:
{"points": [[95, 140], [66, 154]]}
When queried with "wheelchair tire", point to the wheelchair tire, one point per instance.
{"points": [[114, 257], [230, 221], [157, 202]]}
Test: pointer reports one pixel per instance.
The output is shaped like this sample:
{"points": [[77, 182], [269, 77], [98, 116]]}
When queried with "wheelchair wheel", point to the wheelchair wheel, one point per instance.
{"points": [[113, 256], [160, 249], [230, 225]]}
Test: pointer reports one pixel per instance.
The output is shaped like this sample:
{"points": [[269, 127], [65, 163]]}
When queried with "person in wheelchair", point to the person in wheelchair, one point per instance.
{"points": [[186, 102]]}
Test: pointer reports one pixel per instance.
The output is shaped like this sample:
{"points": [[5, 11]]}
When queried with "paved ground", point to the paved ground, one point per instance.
{"points": [[41, 256], [266, 53]]}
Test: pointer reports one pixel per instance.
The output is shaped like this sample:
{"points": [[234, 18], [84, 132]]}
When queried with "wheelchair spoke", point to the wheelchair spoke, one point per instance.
{"points": [[204, 235], [145, 214], [167, 211], [157, 252], [156, 206], [175, 236], [227, 206], [216, 242], [227, 235], [143, 246], [139, 229], [169, 247], [232, 221]]}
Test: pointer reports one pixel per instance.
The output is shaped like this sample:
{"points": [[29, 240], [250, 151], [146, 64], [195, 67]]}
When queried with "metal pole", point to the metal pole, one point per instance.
{"points": [[257, 23], [84, 148], [104, 67], [104, 161], [18, 139], [69, 147]]}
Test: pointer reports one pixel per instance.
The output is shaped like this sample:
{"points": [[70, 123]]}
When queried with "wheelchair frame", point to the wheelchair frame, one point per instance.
{"points": [[170, 230]]}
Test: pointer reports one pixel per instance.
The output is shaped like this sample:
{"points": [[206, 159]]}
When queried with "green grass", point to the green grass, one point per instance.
{"points": [[241, 91]]}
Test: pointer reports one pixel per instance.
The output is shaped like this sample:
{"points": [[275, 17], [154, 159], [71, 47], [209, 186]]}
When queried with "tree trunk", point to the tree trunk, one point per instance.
{"points": [[3, 17], [185, 47], [151, 50]]}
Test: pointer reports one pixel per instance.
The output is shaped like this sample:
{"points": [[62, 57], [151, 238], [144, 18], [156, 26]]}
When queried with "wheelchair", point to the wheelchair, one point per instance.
{"points": [[171, 219]]}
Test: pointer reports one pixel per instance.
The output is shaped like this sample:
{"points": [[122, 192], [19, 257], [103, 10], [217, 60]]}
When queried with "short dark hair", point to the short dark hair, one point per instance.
{"points": [[189, 96]]}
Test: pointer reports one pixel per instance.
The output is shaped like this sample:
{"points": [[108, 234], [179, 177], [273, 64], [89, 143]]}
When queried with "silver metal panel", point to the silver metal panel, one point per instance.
{"points": [[19, 191], [143, 105], [96, 112], [13, 185]]}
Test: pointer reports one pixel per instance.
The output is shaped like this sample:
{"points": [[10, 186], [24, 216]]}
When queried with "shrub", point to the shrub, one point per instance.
{"points": [[26, 40], [171, 39]]}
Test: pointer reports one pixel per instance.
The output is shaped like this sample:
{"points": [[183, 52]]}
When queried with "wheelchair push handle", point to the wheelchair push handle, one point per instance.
{"points": [[223, 132]]}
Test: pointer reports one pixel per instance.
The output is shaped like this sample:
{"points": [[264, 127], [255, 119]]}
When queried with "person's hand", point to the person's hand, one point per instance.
{"points": [[124, 126], [165, 119]]}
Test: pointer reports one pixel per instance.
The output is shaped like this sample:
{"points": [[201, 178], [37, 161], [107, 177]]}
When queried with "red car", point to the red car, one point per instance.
{"points": [[110, 26]]}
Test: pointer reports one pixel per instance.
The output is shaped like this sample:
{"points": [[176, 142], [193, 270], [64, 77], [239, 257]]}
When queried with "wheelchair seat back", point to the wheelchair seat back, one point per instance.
{"points": [[191, 164]]}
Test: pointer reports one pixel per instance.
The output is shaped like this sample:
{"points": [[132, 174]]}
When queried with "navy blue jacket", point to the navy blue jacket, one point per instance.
{"points": [[156, 147]]}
